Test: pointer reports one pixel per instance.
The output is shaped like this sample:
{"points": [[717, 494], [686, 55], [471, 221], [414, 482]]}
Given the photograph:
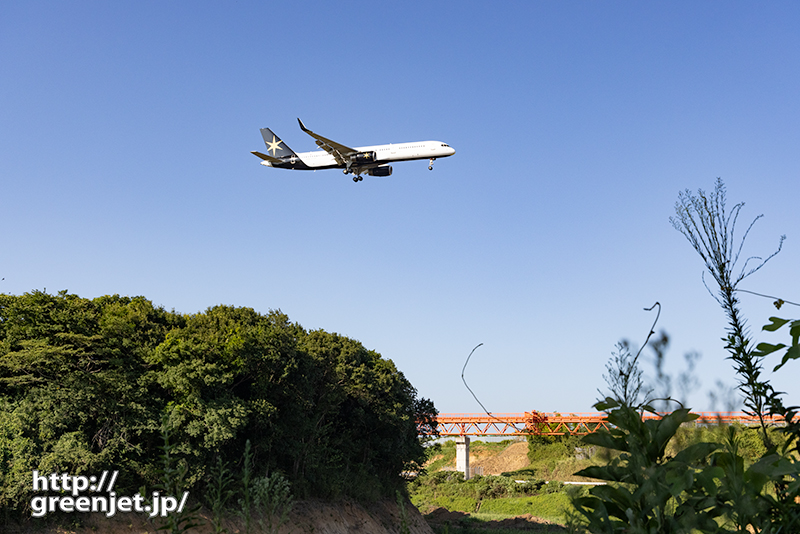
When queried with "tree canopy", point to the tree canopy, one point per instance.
{"points": [[89, 384]]}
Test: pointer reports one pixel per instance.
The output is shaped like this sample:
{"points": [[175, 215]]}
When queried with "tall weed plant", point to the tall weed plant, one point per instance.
{"points": [[717, 486], [265, 501]]}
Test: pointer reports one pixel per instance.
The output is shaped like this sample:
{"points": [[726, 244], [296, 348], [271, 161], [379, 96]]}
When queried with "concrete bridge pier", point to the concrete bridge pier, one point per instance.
{"points": [[462, 455]]}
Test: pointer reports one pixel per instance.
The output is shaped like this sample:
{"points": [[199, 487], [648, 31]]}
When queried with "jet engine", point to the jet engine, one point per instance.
{"points": [[383, 170], [363, 157]]}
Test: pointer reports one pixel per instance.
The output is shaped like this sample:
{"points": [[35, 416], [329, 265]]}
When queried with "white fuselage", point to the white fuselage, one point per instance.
{"points": [[319, 159]]}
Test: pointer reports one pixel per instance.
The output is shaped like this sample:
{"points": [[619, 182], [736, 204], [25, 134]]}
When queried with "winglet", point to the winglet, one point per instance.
{"points": [[337, 150]]}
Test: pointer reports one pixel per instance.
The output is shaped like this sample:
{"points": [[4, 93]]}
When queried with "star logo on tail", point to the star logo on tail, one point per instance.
{"points": [[275, 145]]}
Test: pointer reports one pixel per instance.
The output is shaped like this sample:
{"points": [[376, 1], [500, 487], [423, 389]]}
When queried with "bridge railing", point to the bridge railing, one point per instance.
{"points": [[554, 423]]}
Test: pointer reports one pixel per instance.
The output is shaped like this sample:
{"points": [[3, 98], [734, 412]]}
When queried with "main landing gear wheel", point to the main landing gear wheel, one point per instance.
{"points": [[357, 178]]}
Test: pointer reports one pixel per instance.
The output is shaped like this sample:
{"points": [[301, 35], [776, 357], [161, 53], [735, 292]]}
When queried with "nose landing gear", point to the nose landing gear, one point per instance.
{"points": [[430, 164]]}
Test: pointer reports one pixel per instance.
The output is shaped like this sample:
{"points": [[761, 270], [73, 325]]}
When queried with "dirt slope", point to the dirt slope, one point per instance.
{"points": [[513, 457]]}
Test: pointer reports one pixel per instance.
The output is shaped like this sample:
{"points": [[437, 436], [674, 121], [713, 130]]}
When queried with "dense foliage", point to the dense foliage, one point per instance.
{"points": [[88, 385]]}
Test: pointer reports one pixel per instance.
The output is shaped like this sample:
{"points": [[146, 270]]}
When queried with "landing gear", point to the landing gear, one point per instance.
{"points": [[355, 171], [430, 164]]}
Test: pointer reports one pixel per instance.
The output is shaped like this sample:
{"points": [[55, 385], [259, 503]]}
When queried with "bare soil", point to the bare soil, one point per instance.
{"points": [[513, 457]]}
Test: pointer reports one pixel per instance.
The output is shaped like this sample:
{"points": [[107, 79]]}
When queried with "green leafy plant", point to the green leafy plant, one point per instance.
{"points": [[703, 220], [218, 493], [647, 491], [705, 487], [783, 462], [401, 508], [173, 483], [273, 501], [792, 351], [247, 502]]}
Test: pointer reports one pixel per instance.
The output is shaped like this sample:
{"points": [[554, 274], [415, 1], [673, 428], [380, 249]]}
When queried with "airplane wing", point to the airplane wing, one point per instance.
{"points": [[265, 157], [339, 152]]}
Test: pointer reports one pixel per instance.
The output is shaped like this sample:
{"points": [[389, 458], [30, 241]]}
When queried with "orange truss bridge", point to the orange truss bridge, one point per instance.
{"points": [[555, 424]]}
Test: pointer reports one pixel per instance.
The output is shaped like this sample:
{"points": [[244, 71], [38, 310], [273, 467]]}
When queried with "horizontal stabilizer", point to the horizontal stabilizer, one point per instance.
{"points": [[265, 157]]}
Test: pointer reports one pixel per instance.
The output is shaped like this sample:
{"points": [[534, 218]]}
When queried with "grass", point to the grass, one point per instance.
{"points": [[561, 469], [499, 498], [467, 528], [551, 507], [497, 495], [481, 523], [441, 455]]}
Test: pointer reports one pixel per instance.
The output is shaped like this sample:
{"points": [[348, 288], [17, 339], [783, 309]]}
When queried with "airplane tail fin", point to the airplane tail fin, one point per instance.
{"points": [[275, 147]]}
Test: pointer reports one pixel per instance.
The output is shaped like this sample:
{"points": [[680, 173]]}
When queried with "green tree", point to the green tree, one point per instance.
{"points": [[71, 385], [83, 384]]}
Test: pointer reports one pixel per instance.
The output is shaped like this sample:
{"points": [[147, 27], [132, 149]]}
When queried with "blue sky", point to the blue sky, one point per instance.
{"points": [[125, 168]]}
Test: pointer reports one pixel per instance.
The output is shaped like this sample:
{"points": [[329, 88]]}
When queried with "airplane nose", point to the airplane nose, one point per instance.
{"points": [[452, 151]]}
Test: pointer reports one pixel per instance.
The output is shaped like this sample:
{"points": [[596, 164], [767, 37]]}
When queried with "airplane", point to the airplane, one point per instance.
{"points": [[370, 160]]}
